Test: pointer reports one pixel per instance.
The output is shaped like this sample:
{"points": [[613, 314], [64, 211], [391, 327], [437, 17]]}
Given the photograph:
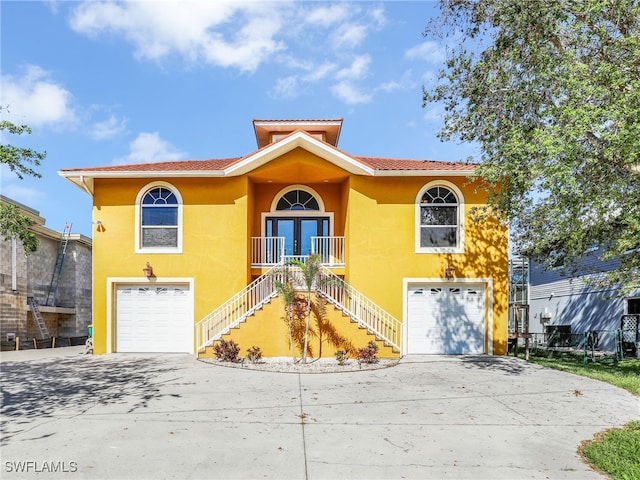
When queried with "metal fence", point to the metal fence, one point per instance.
{"points": [[619, 344]]}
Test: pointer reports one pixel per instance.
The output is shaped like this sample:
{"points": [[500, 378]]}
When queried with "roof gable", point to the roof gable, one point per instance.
{"points": [[298, 139], [234, 167]]}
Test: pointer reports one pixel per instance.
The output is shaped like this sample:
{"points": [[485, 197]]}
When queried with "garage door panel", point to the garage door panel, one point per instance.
{"points": [[445, 319], [154, 318]]}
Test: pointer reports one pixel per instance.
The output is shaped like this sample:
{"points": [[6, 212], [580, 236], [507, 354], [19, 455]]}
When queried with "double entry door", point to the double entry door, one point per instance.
{"points": [[297, 232]]}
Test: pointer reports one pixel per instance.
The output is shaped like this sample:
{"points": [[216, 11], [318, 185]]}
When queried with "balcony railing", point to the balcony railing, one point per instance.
{"points": [[269, 251]]}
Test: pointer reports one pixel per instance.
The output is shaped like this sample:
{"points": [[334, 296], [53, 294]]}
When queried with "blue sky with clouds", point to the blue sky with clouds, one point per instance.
{"points": [[103, 83]]}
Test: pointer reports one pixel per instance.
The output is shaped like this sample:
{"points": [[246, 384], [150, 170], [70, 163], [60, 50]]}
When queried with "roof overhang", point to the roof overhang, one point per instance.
{"points": [[84, 179], [423, 173], [264, 129], [295, 140]]}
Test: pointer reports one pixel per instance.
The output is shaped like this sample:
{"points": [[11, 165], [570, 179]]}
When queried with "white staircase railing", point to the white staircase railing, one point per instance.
{"points": [[332, 288], [361, 309], [235, 310]]}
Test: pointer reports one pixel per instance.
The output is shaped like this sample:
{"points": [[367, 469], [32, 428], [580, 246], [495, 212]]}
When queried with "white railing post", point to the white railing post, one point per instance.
{"points": [[330, 249], [236, 309], [367, 313], [266, 251]]}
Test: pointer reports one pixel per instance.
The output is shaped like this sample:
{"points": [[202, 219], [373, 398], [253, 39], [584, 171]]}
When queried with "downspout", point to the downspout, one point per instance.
{"points": [[86, 187], [14, 265]]}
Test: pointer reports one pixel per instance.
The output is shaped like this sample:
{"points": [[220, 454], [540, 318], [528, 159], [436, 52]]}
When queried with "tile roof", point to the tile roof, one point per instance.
{"points": [[376, 163], [379, 163], [175, 166]]}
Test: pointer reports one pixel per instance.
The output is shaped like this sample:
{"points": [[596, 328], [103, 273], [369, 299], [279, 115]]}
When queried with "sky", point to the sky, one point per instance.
{"points": [[103, 83]]}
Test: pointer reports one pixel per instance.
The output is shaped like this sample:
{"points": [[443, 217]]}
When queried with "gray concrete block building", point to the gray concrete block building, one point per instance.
{"points": [[64, 300]]}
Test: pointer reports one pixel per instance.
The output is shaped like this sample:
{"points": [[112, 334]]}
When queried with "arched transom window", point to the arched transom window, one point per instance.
{"points": [[297, 200], [439, 225], [159, 219]]}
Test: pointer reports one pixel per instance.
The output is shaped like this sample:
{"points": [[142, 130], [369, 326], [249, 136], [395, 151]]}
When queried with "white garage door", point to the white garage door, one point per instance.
{"points": [[445, 319], [154, 318]]}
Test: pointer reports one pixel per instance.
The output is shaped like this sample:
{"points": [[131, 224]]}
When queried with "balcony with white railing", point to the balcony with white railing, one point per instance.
{"points": [[270, 251]]}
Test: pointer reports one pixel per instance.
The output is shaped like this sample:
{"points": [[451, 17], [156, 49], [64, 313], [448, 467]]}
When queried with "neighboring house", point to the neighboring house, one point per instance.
{"points": [[64, 300], [189, 244], [577, 304]]}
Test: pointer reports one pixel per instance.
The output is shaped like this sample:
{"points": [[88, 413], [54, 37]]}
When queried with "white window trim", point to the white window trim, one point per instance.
{"points": [[461, 219], [138, 220], [273, 213], [284, 191]]}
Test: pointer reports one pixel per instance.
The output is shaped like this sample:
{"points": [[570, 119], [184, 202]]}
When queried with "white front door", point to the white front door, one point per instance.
{"points": [[154, 318], [445, 319]]}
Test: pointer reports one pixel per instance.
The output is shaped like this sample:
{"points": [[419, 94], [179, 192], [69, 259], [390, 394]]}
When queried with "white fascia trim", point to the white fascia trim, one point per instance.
{"points": [[423, 173], [303, 140], [277, 123], [488, 282], [73, 176], [113, 282]]}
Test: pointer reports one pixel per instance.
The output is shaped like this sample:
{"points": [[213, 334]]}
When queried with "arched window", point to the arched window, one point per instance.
{"points": [[159, 219], [439, 226], [297, 200]]}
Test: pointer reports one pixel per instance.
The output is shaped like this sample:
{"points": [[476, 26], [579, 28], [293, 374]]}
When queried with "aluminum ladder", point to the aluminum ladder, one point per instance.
{"points": [[57, 268], [43, 331]]}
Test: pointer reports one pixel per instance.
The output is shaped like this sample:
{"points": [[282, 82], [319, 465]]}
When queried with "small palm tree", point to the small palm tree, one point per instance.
{"points": [[287, 293], [309, 274]]}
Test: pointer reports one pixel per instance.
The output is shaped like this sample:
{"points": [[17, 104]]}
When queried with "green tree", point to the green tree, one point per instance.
{"points": [[19, 160], [550, 91], [309, 273], [287, 293]]}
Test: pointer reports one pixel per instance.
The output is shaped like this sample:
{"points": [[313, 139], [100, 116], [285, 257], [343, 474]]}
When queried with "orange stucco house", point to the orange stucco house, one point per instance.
{"points": [[185, 251]]}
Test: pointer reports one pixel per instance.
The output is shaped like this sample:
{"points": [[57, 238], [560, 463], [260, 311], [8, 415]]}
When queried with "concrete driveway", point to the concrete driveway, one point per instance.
{"points": [[67, 415]]}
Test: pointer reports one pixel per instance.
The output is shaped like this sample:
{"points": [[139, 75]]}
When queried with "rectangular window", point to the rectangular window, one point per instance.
{"points": [[160, 237], [433, 236], [160, 216]]}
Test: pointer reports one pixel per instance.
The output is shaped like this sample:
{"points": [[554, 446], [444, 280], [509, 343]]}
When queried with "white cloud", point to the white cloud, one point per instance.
{"points": [[198, 31], [328, 15], [349, 94], [348, 35], [150, 148], [406, 82], [109, 128], [358, 68], [431, 52], [33, 98], [320, 72], [390, 86], [288, 87], [377, 15]]}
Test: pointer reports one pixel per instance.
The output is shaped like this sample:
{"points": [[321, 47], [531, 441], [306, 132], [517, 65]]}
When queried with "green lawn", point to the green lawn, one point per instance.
{"points": [[624, 374], [615, 452]]}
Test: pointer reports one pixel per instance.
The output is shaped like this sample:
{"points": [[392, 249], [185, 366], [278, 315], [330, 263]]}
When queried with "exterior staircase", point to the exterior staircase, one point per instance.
{"points": [[335, 291]]}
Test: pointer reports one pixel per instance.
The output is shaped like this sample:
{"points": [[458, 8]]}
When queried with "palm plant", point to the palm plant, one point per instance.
{"points": [[287, 293], [309, 274]]}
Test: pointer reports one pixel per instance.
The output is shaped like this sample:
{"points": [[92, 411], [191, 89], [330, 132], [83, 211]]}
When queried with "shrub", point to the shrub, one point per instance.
{"points": [[226, 351], [254, 354], [368, 354], [342, 356]]}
